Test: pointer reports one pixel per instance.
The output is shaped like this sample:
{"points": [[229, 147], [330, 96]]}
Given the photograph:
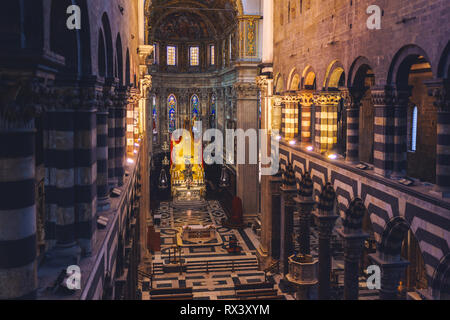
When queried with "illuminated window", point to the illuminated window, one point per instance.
{"points": [[172, 103], [195, 107], [171, 56], [194, 56], [414, 129], [213, 55]]}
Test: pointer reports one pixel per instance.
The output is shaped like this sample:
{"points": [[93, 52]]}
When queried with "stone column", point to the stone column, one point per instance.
{"points": [[305, 205], [383, 138], [326, 120], [18, 275], [59, 145], [353, 247], [325, 218], [306, 98], [352, 102], [440, 90], [247, 174], [86, 168], [288, 190], [277, 111], [120, 133], [290, 112], [391, 273], [103, 153], [275, 184], [112, 179], [400, 131]]}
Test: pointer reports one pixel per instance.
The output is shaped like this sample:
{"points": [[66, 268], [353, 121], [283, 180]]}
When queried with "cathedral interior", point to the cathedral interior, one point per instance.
{"points": [[101, 199]]}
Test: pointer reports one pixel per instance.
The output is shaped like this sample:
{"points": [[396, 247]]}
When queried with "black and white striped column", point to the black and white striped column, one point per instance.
{"points": [[18, 276], [440, 90], [400, 132], [112, 179], [306, 103], [120, 132], [102, 160], [86, 177], [353, 104], [383, 130], [59, 144]]}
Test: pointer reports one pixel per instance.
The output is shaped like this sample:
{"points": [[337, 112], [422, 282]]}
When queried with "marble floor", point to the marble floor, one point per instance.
{"points": [[210, 270]]}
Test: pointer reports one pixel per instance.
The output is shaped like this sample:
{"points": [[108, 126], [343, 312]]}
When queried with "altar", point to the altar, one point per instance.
{"points": [[187, 172]]}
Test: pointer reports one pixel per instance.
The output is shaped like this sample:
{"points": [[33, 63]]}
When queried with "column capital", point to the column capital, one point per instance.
{"points": [[306, 97], [382, 96], [440, 90], [327, 98], [245, 90]]}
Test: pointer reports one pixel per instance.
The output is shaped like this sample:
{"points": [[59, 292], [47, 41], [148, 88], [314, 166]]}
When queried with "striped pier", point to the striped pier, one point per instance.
{"points": [[18, 276]]}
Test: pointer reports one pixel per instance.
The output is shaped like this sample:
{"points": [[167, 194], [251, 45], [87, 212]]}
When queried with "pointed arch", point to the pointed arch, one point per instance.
{"points": [[279, 84], [101, 56], [444, 63]]}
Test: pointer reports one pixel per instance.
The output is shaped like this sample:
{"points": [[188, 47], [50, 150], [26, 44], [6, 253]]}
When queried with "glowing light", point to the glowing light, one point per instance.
{"points": [[136, 145], [310, 148], [292, 142], [130, 161], [278, 138], [135, 151], [332, 156]]}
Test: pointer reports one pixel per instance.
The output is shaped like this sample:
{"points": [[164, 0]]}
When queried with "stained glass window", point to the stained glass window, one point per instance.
{"points": [[154, 115], [172, 103], [194, 56], [414, 130], [171, 55], [212, 116], [195, 107]]}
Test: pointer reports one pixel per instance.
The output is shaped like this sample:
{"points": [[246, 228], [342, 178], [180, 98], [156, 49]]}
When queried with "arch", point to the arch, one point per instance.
{"points": [[171, 112], [119, 55], [279, 84], [334, 75], [444, 63], [292, 74], [127, 69], [441, 280], [309, 78], [101, 54], [358, 72], [392, 237], [403, 60], [109, 45], [62, 40]]}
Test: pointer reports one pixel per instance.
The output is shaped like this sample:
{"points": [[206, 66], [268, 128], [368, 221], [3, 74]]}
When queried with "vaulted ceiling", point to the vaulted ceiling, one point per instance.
{"points": [[186, 20]]}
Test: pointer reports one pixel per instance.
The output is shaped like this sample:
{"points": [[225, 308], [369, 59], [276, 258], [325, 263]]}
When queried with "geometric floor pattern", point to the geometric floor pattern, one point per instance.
{"points": [[211, 271]]}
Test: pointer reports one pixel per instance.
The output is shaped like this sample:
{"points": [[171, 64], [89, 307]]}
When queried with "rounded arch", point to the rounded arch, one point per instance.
{"points": [[290, 83], [334, 76], [358, 72], [401, 64], [444, 63], [309, 78], [62, 40], [441, 280], [119, 55], [279, 84], [109, 45], [101, 56], [392, 237]]}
